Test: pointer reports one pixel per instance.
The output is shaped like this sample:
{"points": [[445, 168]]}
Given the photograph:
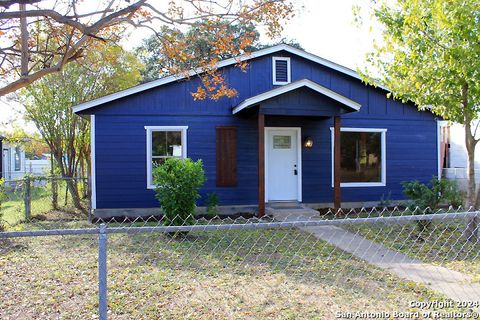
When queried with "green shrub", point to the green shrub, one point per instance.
{"points": [[177, 182], [428, 198], [438, 192], [212, 203]]}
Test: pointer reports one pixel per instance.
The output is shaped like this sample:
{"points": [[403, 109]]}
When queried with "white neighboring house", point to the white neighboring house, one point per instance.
{"points": [[38, 167], [14, 164], [13, 161], [455, 157]]}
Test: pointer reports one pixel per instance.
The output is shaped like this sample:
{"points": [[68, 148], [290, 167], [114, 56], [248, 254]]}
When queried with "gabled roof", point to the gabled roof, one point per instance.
{"points": [[224, 63], [293, 86]]}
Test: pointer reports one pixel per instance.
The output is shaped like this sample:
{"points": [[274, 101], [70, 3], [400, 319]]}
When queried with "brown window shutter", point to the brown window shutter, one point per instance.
{"points": [[226, 156]]}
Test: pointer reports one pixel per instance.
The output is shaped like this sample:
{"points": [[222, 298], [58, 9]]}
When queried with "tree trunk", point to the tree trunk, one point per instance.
{"points": [[83, 181], [54, 185], [470, 146], [71, 183], [471, 230], [73, 189]]}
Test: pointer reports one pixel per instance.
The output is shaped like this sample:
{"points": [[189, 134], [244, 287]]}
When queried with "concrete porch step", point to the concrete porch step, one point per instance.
{"points": [[292, 214], [285, 205]]}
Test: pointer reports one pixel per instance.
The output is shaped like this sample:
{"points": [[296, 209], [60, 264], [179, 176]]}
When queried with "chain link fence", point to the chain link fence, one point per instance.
{"points": [[43, 198], [388, 263]]}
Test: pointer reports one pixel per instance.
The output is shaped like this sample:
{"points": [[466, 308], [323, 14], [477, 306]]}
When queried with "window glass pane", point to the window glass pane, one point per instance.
{"points": [[165, 144], [18, 162], [159, 143], [361, 156], [282, 142], [157, 162], [174, 143]]}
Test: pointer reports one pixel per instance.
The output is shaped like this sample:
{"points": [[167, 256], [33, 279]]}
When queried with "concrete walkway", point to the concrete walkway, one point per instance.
{"points": [[453, 284]]}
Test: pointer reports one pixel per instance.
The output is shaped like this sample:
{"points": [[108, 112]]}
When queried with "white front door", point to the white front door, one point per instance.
{"points": [[282, 164]]}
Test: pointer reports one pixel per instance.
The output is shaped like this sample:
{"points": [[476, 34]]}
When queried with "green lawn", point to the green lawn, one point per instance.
{"points": [[254, 274], [441, 244], [13, 209]]}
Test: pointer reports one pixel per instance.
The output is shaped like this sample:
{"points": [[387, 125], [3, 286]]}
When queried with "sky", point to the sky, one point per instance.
{"points": [[323, 27], [326, 28]]}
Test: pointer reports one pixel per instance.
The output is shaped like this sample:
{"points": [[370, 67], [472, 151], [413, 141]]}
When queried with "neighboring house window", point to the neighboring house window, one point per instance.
{"points": [[363, 162], [281, 70], [164, 142], [18, 159], [226, 156]]}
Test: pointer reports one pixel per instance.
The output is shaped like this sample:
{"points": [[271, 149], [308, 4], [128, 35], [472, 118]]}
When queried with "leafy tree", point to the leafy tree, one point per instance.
{"points": [[198, 46], [199, 49], [430, 55], [32, 143], [291, 42], [38, 38], [48, 104]]}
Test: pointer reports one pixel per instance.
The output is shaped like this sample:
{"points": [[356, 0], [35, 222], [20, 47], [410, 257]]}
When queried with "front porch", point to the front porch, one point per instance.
{"points": [[282, 143]]}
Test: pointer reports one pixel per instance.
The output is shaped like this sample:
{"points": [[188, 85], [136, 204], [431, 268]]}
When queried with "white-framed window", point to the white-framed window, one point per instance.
{"points": [[281, 70], [164, 142], [17, 156], [363, 157]]}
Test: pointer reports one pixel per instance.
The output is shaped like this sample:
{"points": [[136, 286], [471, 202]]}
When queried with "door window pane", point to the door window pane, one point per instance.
{"points": [[361, 154], [282, 142]]}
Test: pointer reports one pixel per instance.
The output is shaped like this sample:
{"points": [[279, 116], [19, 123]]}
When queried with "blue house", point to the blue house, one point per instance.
{"points": [[301, 129]]}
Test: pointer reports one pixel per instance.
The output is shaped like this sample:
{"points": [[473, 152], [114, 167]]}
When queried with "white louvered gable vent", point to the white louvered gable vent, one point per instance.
{"points": [[281, 70]]}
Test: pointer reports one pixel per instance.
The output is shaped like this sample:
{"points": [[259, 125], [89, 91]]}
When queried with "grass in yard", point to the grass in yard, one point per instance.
{"points": [[13, 210], [229, 274], [441, 244]]}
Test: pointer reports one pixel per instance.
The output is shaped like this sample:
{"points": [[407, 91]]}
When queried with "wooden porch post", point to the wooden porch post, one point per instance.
{"points": [[336, 166], [261, 165]]}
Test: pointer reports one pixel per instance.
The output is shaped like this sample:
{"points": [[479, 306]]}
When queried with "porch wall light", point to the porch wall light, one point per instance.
{"points": [[308, 142]]}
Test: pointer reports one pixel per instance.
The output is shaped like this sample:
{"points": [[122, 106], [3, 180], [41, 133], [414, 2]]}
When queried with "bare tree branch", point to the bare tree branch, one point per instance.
{"points": [[38, 40], [24, 35]]}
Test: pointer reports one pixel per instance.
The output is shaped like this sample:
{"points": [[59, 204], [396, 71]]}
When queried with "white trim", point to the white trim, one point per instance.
{"points": [[93, 178], [440, 124], [299, 159], [347, 129], [151, 129], [224, 63], [383, 181], [166, 128], [292, 86], [274, 71]]}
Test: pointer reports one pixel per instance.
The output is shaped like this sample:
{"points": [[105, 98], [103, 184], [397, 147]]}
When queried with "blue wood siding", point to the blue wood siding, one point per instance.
{"points": [[121, 158], [121, 137], [303, 102]]}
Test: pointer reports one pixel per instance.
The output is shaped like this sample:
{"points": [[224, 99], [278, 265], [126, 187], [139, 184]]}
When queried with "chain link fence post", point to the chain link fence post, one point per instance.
{"points": [[102, 272], [27, 198]]}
